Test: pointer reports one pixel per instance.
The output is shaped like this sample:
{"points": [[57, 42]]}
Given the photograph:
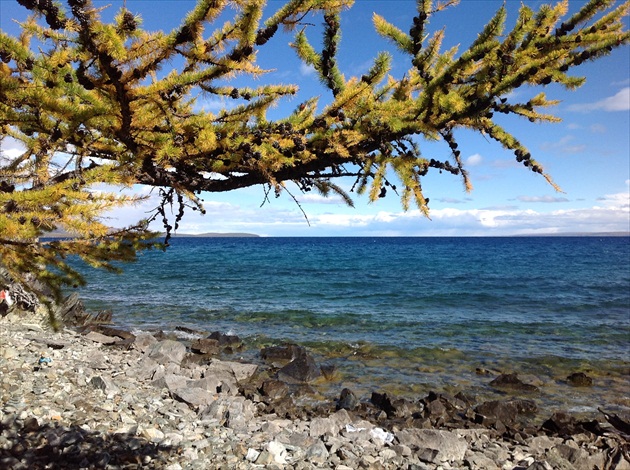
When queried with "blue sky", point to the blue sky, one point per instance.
{"points": [[588, 153]]}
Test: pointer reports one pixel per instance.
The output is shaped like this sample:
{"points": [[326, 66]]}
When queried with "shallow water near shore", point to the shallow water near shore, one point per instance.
{"points": [[404, 315]]}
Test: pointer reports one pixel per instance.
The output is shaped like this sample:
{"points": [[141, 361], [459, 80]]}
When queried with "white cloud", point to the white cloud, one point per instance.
{"points": [[319, 199], [452, 200], [11, 153], [619, 201], [611, 214], [307, 70], [563, 145], [10, 149], [618, 102], [542, 199], [474, 160]]}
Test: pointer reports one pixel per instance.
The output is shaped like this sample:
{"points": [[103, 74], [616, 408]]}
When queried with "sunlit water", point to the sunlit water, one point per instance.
{"points": [[405, 315]]}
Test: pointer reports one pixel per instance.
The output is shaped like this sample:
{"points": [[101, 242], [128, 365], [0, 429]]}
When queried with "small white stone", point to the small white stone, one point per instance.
{"points": [[252, 454], [153, 434], [278, 452]]}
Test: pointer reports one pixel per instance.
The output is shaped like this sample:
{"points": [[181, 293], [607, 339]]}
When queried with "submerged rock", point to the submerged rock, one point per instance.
{"points": [[226, 341], [512, 382], [579, 379], [280, 355]]}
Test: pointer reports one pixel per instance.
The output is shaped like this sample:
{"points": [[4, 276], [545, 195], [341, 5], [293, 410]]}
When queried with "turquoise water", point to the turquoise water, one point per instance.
{"points": [[406, 313]]}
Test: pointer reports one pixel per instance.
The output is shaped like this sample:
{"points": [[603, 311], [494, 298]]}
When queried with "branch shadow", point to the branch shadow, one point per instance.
{"points": [[25, 444]]}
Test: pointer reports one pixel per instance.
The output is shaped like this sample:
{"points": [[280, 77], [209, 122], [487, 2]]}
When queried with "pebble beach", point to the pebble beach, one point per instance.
{"points": [[82, 398]]}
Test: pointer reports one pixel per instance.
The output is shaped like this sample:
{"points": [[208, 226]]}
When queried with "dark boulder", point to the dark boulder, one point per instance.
{"points": [[512, 382], [189, 331], [274, 389], [563, 424], [115, 332], [441, 408], [282, 354], [504, 411], [579, 379], [205, 346], [284, 407], [302, 368], [383, 402], [226, 341], [347, 400]]}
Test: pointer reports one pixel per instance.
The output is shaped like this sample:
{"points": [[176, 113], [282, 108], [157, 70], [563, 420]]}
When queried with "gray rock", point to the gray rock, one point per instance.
{"points": [[97, 361], [167, 351], [8, 353], [323, 426], [143, 341], [542, 444], [252, 455], [576, 456], [239, 371], [212, 384], [104, 383], [171, 382], [101, 338], [449, 446], [195, 397], [477, 461], [52, 343], [317, 453], [341, 418], [233, 412]]}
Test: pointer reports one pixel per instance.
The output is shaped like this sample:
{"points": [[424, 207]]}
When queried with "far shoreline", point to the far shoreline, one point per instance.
{"points": [[61, 234]]}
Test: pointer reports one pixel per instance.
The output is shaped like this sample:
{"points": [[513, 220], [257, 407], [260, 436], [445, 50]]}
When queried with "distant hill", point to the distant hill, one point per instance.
{"points": [[576, 234], [217, 235]]}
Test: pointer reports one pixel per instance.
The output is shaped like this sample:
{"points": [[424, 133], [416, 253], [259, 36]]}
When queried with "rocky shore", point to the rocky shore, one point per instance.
{"points": [[99, 397]]}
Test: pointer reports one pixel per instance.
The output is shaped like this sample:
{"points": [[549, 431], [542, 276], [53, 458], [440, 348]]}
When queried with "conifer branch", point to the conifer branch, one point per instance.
{"points": [[75, 89]]}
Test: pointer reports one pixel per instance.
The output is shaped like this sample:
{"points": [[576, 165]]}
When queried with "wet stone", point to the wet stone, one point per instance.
{"points": [[512, 382], [205, 346], [301, 369], [579, 379]]}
